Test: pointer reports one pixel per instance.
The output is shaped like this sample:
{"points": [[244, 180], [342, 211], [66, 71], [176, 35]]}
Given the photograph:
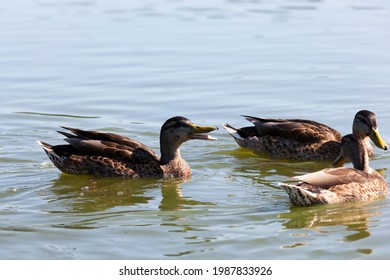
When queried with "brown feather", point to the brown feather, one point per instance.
{"points": [[113, 155], [300, 139], [335, 185]]}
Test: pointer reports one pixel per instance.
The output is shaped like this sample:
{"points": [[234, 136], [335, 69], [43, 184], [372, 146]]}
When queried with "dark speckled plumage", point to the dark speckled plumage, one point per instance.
{"points": [[302, 139], [113, 155], [335, 185]]}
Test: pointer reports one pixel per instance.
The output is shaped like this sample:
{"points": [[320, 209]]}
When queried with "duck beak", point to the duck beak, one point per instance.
{"points": [[199, 132], [377, 139], [339, 161]]}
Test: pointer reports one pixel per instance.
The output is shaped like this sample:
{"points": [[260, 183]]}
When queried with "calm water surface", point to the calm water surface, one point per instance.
{"points": [[127, 66]]}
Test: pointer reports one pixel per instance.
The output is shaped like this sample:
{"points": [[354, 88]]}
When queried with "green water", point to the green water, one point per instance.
{"points": [[127, 66]]}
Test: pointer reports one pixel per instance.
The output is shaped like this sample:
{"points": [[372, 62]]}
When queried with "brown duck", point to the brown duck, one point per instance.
{"points": [[299, 139], [113, 155], [335, 185]]}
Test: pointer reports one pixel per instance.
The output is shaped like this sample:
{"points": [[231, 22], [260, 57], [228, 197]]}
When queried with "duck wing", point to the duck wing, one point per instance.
{"points": [[304, 131], [331, 177], [110, 145]]}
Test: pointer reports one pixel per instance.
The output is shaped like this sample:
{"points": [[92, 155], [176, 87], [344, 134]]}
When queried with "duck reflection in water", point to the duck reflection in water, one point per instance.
{"points": [[353, 220], [89, 194]]}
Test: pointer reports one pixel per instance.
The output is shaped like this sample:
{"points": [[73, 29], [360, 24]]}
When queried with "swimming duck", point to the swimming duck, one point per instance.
{"points": [[113, 155], [303, 139], [335, 185]]}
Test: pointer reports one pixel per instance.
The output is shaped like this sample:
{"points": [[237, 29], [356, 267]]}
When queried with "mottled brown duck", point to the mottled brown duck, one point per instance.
{"points": [[113, 155], [335, 185], [299, 139]]}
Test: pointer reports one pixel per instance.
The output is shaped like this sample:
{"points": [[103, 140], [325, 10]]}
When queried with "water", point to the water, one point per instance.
{"points": [[127, 66]]}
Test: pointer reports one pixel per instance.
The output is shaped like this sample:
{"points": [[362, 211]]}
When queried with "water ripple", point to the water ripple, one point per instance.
{"points": [[57, 115]]}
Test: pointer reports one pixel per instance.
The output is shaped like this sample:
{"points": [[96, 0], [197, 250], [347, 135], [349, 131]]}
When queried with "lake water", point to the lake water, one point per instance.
{"points": [[127, 66]]}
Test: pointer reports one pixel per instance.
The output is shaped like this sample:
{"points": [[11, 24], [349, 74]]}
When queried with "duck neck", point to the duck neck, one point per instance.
{"points": [[366, 142], [169, 151], [361, 161]]}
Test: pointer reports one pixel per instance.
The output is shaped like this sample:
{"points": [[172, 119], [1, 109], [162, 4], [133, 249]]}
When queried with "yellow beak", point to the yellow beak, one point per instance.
{"points": [[199, 132], [377, 139]]}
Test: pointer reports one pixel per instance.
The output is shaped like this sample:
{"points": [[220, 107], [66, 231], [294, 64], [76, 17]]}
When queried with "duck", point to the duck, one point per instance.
{"points": [[112, 155], [299, 139], [340, 184]]}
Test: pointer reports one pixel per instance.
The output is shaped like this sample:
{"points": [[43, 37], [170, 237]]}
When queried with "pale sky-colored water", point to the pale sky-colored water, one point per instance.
{"points": [[127, 66]]}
